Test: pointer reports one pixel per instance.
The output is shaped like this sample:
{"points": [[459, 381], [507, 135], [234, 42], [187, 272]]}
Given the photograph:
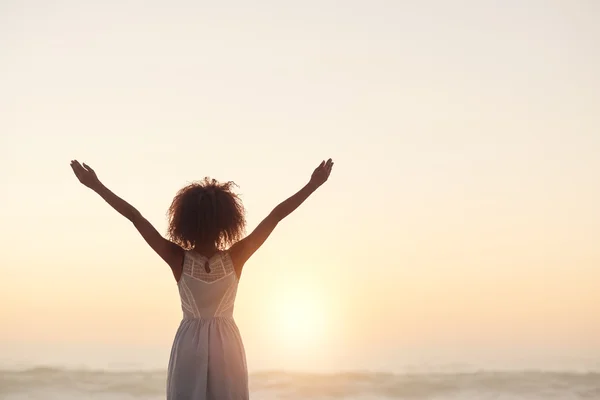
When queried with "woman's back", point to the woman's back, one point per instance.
{"points": [[207, 333], [207, 285]]}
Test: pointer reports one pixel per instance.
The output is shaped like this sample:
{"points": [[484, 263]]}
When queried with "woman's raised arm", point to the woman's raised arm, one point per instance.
{"points": [[243, 250], [171, 253]]}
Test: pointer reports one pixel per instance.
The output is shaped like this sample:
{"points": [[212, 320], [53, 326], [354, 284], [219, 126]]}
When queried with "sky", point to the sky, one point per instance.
{"points": [[460, 224]]}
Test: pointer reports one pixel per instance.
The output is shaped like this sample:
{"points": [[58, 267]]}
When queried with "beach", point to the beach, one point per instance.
{"points": [[453, 253]]}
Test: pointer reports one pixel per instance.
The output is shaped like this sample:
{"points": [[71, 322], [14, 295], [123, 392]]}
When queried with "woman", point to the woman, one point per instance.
{"points": [[206, 253]]}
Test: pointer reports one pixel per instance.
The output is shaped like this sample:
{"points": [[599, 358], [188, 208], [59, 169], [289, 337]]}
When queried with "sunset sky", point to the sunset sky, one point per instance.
{"points": [[461, 222]]}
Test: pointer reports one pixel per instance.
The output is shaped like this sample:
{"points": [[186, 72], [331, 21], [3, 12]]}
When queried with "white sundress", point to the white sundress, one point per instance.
{"points": [[208, 360]]}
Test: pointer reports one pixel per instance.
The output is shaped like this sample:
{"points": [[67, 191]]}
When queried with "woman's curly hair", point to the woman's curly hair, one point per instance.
{"points": [[206, 212]]}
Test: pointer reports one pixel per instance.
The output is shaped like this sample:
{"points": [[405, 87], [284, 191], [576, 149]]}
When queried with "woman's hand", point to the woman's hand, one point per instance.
{"points": [[321, 173], [85, 174]]}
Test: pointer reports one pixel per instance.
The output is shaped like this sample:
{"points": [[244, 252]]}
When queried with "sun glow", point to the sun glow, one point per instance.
{"points": [[300, 320]]}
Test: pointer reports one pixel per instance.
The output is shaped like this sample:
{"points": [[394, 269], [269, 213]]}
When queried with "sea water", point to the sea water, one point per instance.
{"points": [[50, 383]]}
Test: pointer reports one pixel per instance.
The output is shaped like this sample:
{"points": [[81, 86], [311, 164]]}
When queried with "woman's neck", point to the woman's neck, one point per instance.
{"points": [[207, 250]]}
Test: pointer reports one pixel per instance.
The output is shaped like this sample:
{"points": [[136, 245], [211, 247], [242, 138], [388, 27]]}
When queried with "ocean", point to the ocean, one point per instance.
{"points": [[46, 383]]}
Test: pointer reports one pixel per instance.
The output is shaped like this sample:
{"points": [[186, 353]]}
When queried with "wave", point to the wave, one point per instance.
{"points": [[135, 383], [434, 385], [277, 384]]}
